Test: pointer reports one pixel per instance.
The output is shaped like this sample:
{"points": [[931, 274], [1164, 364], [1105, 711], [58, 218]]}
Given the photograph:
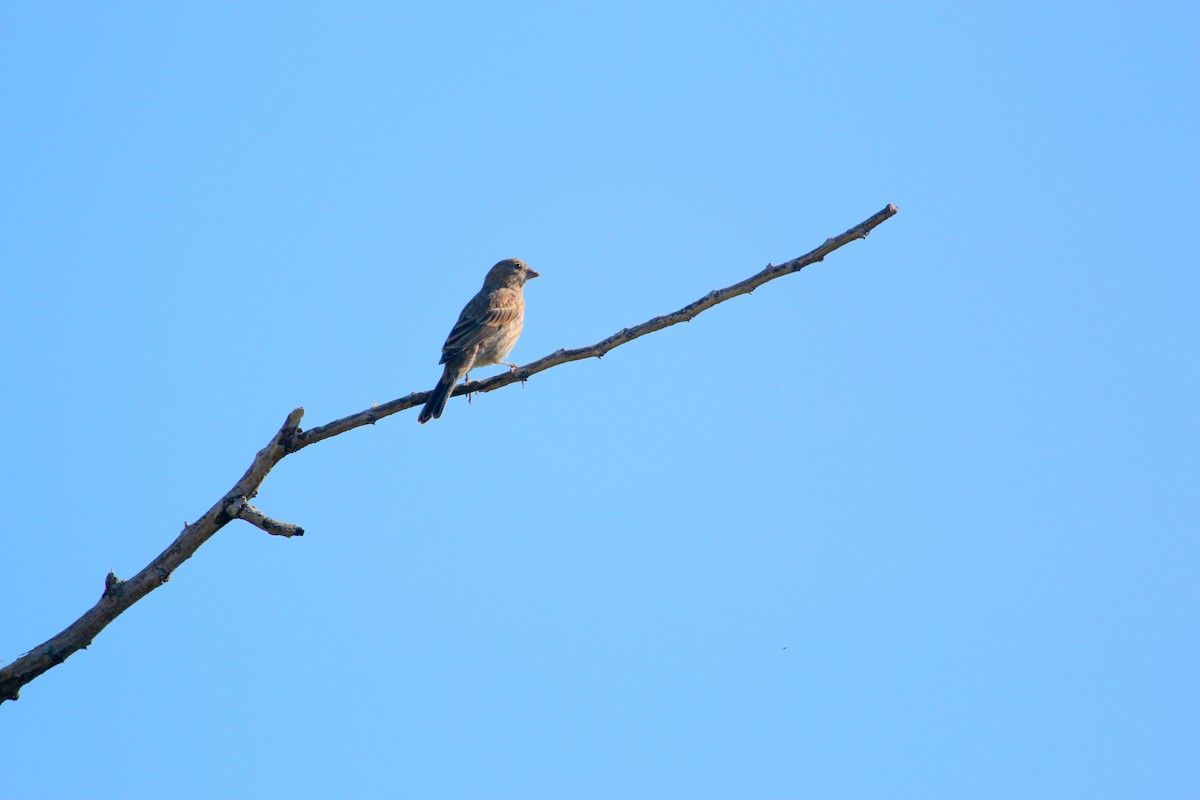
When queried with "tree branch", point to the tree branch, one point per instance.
{"points": [[119, 595]]}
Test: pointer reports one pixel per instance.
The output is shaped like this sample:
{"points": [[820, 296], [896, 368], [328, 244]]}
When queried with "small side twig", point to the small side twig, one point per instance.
{"points": [[240, 509]]}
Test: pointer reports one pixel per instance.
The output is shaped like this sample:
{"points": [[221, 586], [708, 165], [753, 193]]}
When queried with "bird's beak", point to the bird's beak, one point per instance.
{"points": [[530, 273]]}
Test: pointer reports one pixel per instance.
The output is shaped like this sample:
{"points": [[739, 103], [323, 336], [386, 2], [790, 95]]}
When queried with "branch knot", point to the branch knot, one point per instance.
{"points": [[112, 585]]}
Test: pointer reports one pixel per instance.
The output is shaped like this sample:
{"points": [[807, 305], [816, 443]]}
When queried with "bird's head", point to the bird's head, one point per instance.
{"points": [[511, 272]]}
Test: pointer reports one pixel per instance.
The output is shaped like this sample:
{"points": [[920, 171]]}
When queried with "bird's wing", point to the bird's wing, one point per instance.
{"points": [[481, 317]]}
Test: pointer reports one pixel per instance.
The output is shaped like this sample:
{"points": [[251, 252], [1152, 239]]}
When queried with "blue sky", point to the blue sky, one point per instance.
{"points": [[918, 522]]}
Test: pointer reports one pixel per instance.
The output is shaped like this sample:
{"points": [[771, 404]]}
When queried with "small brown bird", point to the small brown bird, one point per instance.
{"points": [[486, 331]]}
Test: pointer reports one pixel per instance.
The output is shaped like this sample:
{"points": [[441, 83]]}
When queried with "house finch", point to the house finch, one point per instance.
{"points": [[486, 330]]}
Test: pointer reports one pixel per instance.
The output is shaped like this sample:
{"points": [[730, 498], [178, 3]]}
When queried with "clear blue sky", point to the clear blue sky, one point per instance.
{"points": [[921, 521]]}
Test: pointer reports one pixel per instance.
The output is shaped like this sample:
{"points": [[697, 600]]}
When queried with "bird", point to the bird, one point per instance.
{"points": [[486, 331]]}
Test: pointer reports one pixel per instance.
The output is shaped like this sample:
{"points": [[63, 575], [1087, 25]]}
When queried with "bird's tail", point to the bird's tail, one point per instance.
{"points": [[440, 394]]}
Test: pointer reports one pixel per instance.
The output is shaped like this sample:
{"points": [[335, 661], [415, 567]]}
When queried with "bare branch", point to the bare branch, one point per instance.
{"points": [[119, 595]]}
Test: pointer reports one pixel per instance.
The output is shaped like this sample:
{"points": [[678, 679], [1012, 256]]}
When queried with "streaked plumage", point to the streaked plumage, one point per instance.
{"points": [[487, 329]]}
